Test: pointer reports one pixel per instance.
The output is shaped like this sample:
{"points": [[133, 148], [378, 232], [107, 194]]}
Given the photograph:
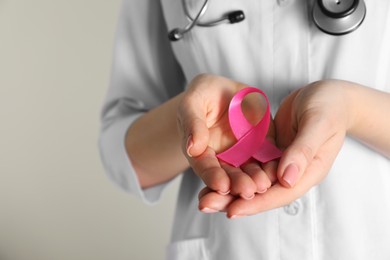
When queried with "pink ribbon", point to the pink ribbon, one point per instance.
{"points": [[251, 140]]}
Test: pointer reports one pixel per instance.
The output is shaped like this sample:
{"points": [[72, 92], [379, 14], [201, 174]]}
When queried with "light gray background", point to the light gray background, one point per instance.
{"points": [[55, 200]]}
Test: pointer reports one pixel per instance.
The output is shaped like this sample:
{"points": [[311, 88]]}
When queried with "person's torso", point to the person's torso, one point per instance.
{"points": [[278, 48]]}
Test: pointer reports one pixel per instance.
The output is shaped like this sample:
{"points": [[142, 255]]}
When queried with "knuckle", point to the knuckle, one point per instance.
{"points": [[207, 174]]}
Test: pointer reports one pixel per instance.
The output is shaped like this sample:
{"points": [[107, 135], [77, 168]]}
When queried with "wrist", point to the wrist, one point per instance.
{"points": [[354, 104]]}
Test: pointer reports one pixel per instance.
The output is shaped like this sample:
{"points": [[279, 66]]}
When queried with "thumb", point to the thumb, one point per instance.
{"points": [[197, 137], [193, 127], [312, 133]]}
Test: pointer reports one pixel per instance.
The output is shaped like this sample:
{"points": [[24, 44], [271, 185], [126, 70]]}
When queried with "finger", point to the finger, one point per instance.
{"points": [[207, 167], [270, 169], [275, 197], [191, 118], [241, 184], [211, 201], [313, 131], [203, 192], [258, 175], [278, 195]]}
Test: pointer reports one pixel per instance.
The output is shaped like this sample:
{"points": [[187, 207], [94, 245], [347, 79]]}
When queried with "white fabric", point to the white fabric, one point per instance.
{"points": [[278, 49]]}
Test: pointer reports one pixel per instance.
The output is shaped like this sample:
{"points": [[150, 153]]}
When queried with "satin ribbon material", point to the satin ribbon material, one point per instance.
{"points": [[251, 140]]}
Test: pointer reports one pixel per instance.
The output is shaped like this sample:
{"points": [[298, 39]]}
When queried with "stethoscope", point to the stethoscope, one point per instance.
{"points": [[334, 17]]}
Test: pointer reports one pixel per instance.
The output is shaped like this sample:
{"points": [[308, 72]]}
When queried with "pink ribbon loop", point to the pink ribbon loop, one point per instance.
{"points": [[251, 140]]}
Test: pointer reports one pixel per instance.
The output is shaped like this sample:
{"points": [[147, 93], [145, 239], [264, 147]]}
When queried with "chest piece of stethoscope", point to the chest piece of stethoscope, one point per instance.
{"points": [[338, 17]]}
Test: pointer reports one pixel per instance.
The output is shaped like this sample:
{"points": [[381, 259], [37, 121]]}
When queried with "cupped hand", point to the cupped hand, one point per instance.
{"points": [[311, 125], [204, 125]]}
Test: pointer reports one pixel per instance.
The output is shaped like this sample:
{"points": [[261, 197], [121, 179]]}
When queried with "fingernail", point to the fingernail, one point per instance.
{"points": [[247, 197], [235, 216], [290, 174], [208, 210], [189, 145], [224, 192], [262, 191]]}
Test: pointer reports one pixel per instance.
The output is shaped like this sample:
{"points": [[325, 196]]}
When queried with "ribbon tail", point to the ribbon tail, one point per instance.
{"points": [[242, 150], [267, 152], [234, 156]]}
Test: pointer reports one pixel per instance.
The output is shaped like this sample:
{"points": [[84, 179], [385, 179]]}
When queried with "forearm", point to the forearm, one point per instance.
{"points": [[153, 145], [371, 121]]}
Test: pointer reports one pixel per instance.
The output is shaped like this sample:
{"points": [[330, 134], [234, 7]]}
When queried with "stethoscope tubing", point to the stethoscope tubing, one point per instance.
{"points": [[197, 18]]}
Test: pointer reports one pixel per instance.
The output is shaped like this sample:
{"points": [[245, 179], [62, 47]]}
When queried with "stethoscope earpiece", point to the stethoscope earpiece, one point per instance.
{"points": [[175, 35], [338, 17], [236, 16]]}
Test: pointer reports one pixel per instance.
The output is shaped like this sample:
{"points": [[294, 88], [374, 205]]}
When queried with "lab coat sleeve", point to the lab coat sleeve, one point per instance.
{"points": [[144, 75]]}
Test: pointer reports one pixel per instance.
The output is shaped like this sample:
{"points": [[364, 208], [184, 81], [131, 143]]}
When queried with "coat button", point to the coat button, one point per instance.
{"points": [[292, 208]]}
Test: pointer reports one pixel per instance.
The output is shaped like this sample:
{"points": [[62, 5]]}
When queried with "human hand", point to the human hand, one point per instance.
{"points": [[203, 123], [311, 125]]}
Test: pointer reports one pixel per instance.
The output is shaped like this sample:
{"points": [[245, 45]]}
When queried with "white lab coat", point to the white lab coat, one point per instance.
{"points": [[278, 49]]}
